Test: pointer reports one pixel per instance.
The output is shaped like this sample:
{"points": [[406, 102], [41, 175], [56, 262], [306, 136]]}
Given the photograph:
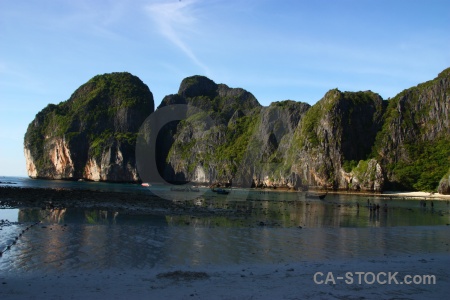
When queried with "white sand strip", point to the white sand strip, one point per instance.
{"points": [[421, 195]]}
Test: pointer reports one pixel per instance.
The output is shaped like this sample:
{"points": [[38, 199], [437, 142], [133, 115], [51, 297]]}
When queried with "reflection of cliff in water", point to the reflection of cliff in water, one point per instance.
{"points": [[116, 240], [87, 216]]}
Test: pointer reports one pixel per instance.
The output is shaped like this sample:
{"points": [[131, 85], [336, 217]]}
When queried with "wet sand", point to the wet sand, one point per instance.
{"points": [[274, 281]]}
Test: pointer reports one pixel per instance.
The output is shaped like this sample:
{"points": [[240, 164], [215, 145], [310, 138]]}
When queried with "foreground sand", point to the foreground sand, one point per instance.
{"points": [[274, 281]]}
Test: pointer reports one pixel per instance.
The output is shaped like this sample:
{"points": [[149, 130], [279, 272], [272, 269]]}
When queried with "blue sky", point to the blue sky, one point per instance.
{"points": [[275, 49]]}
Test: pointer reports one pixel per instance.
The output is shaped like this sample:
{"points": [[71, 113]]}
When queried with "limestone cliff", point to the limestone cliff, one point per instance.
{"points": [[203, 151], [347, 140], [335, 135], [414, 143], [91, 135]]}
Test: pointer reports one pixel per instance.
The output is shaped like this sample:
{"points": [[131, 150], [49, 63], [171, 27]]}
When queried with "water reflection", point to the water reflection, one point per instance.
{"points": [[265, 228], [87, 247], [10, 214], [282, 210], [86, 216], [339, 211]]}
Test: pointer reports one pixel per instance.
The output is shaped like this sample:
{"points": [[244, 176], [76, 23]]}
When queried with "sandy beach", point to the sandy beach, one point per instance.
{"points": [[417, 195], [406, 195], [275, 281]]}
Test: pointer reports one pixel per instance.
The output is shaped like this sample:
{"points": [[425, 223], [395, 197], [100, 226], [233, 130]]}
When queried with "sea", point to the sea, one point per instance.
{"points": [[270, 227]]}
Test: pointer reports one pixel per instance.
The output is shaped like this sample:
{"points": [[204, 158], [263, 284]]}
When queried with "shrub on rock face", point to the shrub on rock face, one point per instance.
{"points": [[444, 184], [413, 145], [368, 176]]}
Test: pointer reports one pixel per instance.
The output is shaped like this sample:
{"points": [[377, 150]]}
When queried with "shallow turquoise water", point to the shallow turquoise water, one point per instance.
{"points": [[271, 227]]}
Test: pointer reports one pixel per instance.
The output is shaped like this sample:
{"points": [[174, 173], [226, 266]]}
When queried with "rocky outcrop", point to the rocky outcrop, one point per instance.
{"points": [[444, 184], [92, 135], [270, 142], [242, 145], [207, 151], [367, 176], [346, 141], [413, 144], [30, 165], [338, 131]]}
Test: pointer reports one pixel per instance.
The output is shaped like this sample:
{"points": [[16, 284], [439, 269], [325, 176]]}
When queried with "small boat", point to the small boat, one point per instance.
{"points": [[221, 191], [315, 196], [145, 184]]}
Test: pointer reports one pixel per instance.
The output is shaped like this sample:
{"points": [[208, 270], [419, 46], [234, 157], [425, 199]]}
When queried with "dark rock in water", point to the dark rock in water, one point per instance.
{"points": [[92, 135], [183, 275]]}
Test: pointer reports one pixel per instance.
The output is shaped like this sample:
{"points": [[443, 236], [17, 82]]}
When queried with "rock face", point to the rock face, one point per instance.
{"points": [[270, 144], [208, 152], [337, 133], [444, 185], [414, 143], [288, 144], [92, 135], [346, 141]]}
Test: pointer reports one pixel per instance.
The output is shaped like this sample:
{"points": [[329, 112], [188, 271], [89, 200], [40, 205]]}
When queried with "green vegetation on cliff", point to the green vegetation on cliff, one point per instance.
{"points": [[414, 142], [223, 143], [427, 164], [237, 137], [107, 109]]}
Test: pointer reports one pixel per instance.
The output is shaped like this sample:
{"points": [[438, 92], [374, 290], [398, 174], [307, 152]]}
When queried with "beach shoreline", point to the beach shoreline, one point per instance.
{"points": [[406, 195], [27, 197]]}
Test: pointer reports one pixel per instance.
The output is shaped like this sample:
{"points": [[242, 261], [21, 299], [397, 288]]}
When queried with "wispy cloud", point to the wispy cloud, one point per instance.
{"points": [[175, 19]]}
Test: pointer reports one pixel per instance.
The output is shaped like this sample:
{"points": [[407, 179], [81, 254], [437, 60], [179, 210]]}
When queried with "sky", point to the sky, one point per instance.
{"points": [[275, 49]]}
